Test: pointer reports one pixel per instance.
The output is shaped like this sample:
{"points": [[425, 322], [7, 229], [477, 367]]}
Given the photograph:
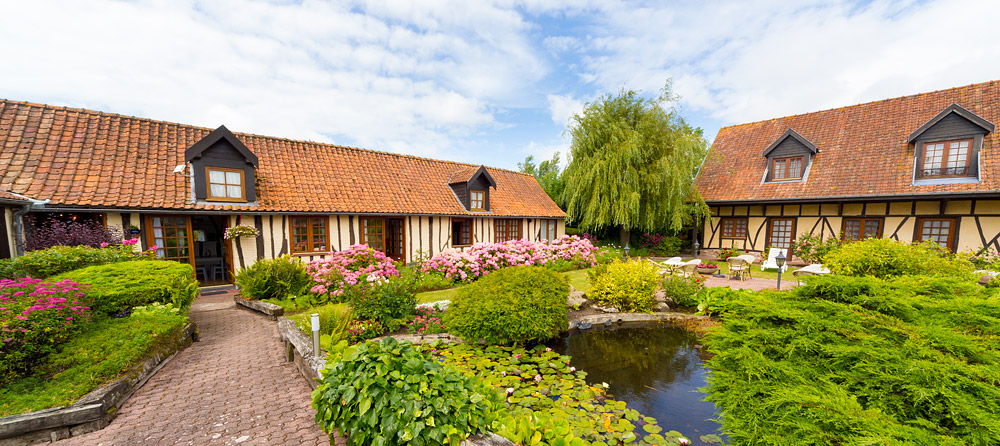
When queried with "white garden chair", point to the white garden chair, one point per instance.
{"points": [[772, 263]]}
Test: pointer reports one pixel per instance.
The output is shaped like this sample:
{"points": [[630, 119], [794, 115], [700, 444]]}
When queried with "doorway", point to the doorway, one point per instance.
{"points": [[196, 240], [780, 233], [386, 235]]}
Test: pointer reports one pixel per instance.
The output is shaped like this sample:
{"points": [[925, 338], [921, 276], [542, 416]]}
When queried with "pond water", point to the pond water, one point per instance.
{"points": [[656, 370]]}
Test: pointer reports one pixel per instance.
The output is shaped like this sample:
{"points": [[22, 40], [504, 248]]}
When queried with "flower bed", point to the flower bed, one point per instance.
{"points": [[35, 317], [482, 258], [335, 274]]}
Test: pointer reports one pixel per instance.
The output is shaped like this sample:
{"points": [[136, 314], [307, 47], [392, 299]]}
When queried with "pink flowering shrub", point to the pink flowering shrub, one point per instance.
{"points": [[343, 271], [483, 258], [35, 317], [360, 331], [426, 321]]}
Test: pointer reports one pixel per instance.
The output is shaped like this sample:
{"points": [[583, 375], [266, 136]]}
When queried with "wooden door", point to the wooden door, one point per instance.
{"points": [[780, 233], [395, 239], [171, 236]]}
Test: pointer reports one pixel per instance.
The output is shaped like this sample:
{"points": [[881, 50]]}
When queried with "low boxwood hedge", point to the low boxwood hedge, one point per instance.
{"points": [[118, 287]]}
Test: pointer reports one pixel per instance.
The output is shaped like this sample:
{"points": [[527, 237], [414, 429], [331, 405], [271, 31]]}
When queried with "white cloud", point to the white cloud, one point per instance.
{"points": [[385, 75], [562, 108], [742, 61]]}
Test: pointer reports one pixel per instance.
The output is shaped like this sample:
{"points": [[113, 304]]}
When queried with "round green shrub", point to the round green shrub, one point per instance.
{"points": [[884, 258], [390, 393], [628, 286], [118, 287], [274, 278], [513, 305]]}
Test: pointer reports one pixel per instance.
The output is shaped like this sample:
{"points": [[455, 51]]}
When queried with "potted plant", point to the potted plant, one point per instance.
{"points": [[133, 229], [241, 231], [708, 267]]}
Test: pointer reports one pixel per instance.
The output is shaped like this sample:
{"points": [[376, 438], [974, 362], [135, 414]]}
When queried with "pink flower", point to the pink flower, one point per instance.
{"points": [[104, 244], [538, 378]]}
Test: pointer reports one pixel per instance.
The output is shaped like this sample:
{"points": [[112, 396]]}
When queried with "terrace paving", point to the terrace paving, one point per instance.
{"points": [[232, 387]]}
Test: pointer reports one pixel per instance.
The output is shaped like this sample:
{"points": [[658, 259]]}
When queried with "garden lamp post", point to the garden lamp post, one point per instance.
{"points": [[696, 246], [314, 322], [626, 251], [780, 260]]}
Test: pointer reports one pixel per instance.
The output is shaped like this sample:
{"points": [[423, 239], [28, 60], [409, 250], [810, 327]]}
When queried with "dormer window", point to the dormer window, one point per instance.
{"points": [[785, 169], [225, 184], [472, 188], [946, 158], [477, 200], [789, 158], [947, 147], [224, 169]]}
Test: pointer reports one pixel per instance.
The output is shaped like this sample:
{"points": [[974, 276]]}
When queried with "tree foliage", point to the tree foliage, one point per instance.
{"points": [[548, 173], [633, 164]]}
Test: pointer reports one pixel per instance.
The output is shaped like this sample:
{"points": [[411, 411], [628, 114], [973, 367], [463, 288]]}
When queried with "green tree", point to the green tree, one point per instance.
{"points": [[548, 174], [633, 165]]}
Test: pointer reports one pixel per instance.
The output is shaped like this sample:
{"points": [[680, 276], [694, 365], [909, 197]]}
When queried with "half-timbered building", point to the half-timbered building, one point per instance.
{"points": [[921, 167], [180, 186]]}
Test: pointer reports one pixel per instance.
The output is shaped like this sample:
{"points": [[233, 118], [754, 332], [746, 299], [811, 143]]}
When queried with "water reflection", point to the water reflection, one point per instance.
{"points": [[656, 370]]}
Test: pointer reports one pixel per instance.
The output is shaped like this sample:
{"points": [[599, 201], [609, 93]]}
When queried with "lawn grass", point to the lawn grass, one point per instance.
{"points": [[95, 356], [434, 296]]}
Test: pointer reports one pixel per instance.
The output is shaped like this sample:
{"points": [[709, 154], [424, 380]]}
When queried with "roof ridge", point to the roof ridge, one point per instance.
{"points": [[256, 135], [826, 110]]}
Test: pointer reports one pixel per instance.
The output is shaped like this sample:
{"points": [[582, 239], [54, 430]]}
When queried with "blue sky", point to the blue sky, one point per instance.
{"points": [[481, 82]]}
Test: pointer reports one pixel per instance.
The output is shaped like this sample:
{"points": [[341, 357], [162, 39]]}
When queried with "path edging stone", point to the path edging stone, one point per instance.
{"points": [[95, 410], [272, 311]]}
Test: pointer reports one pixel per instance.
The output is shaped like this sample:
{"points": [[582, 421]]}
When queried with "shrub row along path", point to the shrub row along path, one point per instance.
{"points": [[232, 387]]}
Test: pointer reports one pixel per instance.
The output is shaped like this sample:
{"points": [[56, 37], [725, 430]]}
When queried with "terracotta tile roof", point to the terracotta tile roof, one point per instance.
{"points": [[462, 176], [863, 150], [77, 157], [9, 198]]}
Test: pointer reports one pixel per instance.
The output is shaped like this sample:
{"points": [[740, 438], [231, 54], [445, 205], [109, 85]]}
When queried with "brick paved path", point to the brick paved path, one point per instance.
{"points": [[233, 387]]}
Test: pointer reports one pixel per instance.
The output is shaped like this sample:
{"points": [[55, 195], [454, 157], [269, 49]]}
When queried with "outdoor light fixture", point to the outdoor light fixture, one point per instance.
{"points": [[179, 168], [696, 246], [314, 319], [626, 250], [780, 260]]}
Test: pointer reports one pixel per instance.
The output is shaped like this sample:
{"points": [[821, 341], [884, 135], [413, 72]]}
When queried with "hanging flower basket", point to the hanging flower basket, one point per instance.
{"points": [[241, 231]]}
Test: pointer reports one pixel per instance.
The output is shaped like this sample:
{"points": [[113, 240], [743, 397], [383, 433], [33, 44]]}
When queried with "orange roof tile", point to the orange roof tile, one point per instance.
{"points": [[77, 157], [863, 150]]}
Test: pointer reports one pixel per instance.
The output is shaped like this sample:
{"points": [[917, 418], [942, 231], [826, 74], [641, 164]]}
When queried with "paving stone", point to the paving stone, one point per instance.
{"points": [[229, 384]]}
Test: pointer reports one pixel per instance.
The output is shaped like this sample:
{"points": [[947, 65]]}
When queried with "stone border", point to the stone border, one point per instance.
{"points": [[96, 409], [272, 311], [610, 319]]}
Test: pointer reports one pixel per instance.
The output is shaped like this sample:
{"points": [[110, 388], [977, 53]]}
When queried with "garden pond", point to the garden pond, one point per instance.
{"points": [[656, 369]]}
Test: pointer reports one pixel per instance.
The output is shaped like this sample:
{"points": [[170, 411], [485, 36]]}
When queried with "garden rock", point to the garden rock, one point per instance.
{"points": [[441, 305], [606, 309], [576, 299], [662, 306], [660, 295]]}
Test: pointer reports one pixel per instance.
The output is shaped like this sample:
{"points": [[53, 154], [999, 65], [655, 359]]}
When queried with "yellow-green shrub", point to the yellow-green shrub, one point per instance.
{"points": [[884, 258], [628, 286]]}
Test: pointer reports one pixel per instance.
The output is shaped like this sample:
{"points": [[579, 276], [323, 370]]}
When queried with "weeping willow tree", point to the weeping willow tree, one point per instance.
{"points": [[632, 165]]}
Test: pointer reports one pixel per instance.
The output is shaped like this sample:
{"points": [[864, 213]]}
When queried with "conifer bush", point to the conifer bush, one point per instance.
{"points": [[116, 288], [913, 360]]}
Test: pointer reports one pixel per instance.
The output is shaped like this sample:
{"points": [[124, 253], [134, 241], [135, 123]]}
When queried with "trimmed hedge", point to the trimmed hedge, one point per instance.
{"points": [[118, 287], [512, 305], [274, 278], [62, 259]]}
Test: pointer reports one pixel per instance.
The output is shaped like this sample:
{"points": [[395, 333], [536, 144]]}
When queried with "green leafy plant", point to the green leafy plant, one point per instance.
{"points": [[682, 290], [390, 393], [241, 231], [884, 258], [628, 286], [116, 288], [512, 305], [274, 278], [360, 331], [385, 300], [545, 395], [334, 320]]}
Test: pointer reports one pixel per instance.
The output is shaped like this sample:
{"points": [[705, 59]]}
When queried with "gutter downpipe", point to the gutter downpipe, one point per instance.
{"points": [[19, 224]]}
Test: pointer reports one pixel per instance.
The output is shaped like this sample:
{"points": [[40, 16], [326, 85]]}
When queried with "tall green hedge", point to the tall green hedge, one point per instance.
{"points": [[61, 259], [117, 287]]}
